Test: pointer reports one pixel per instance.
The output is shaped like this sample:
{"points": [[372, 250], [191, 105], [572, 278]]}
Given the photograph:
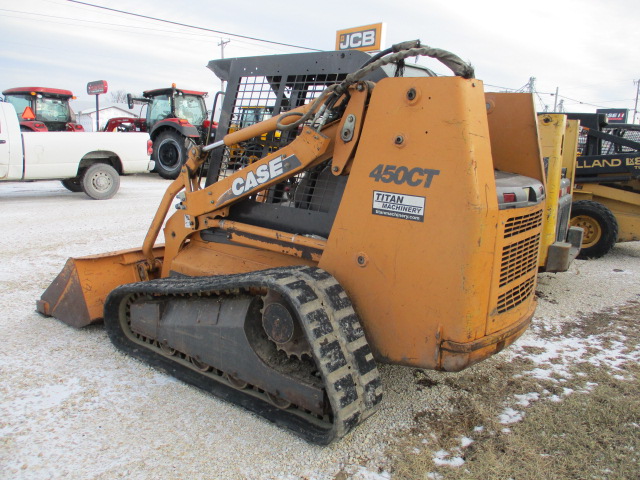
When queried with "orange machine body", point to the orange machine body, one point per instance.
{"points": [[439, 273]]}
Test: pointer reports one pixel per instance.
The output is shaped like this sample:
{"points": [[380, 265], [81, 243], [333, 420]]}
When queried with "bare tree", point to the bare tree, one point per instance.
{"points": [[118, 96]]}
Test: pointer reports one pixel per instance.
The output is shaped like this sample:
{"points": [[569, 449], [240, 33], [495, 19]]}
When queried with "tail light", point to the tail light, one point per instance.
{"points": [[509, 197], [206, 123], [564, 191], [183, 121], [149, 147]]}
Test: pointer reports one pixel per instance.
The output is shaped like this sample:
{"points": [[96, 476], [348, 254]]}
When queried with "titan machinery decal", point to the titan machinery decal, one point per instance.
{"points": [[405, 207]]}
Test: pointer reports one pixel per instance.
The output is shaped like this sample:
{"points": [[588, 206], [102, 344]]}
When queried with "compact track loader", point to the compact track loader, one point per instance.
{"points": [[397, 221]]}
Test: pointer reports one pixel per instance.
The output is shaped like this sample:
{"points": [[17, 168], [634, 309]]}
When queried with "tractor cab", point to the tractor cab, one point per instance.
{"points": [[43, 109], [174, 104]]}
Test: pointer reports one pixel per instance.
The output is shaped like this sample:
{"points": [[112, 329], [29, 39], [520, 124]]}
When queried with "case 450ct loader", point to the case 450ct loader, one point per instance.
{"points": [[376, 235]]}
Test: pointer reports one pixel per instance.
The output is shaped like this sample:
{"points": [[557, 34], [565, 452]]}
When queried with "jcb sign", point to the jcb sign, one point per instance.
{"points": [[367, 38]]}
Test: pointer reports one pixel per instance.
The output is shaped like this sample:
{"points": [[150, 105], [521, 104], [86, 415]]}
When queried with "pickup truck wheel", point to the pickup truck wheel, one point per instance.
{"points": [[170, 151], [72, 184], [599, 225], [100, 181]]}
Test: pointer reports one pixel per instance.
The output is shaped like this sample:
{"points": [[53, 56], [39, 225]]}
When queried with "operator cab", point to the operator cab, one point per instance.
{"points": [[175, 103], [43, 109]]}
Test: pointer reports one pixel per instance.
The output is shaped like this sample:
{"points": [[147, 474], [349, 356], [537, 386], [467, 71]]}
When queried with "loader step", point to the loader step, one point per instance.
{"points": [[217, 333]]}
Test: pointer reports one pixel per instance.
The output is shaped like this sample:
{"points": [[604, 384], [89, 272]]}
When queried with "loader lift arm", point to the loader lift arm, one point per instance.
{"points": [[200, 206]]}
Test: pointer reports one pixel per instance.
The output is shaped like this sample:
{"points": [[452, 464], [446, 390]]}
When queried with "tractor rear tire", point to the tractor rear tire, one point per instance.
{"points": [[100, 181], [170, 150], [599, 225], [72, 184]]}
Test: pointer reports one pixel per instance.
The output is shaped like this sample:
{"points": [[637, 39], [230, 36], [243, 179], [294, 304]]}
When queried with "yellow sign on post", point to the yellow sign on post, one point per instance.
{"points": [[367, 38]]}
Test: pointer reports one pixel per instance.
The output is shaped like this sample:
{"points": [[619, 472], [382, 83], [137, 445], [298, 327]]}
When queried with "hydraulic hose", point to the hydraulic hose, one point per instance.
{"points": [[396, 53]]}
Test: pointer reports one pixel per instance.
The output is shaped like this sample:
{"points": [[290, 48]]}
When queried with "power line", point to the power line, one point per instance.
{"points": [[119, 27], [131, 28], [527, 87], [192, 26], [498, 86], [580, 102], [99, 23]]}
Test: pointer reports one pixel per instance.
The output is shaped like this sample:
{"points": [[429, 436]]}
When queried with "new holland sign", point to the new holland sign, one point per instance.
{"points": [[367, 38]]}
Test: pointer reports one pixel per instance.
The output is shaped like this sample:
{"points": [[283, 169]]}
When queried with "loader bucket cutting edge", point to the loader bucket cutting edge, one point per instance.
{"points": [[76, 296]]}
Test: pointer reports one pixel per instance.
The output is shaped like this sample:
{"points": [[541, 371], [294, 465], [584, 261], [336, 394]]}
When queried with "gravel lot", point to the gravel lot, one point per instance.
{"points": [[72, 406]]}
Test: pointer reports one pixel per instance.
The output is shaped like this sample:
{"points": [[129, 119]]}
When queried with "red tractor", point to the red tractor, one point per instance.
{"points": [[176, 120], [43, 109]]}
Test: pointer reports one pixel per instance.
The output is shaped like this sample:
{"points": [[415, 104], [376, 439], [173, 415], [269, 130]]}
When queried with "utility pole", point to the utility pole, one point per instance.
{"points": [[555, 102], [222, 45], [635, 108], [532, 84]]}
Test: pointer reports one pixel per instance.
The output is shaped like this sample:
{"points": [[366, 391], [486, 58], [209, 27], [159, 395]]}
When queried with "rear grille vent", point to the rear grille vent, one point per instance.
{"points": [[515, 296], [517, 225], [518, 259]]}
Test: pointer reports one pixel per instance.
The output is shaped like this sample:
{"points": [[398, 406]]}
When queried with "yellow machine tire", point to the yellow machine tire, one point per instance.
{"points": [[599, 225]]}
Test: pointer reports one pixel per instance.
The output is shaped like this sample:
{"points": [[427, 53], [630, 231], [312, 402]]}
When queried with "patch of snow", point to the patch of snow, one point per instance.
{"points": [[45, 397], [527, 398], [362, 473], [556, 357], [509, 415], [465, 442], [443, 458]]}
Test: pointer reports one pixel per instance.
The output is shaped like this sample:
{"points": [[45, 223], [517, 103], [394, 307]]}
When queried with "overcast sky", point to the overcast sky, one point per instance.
{"points": [[588, 49]]}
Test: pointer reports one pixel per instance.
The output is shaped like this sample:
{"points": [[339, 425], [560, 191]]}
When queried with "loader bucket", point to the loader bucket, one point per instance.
{"points": [[77, 294]]}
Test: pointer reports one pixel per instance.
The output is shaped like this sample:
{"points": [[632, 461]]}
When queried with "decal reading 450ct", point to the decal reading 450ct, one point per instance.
{"points": [[413, 177]]}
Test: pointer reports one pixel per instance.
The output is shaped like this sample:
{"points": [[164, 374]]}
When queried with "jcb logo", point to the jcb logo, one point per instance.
{"points": [[366, 38], [357, 40]]}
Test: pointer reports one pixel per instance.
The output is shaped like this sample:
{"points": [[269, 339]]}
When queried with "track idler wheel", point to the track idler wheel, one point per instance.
{"points": [[281, 327]]}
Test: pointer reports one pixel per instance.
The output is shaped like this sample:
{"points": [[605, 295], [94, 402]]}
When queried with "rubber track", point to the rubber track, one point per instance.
{"points": [[340, 350]]}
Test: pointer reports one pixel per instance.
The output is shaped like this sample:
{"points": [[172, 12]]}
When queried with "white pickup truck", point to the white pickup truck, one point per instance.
{"points": [[89, 162]]}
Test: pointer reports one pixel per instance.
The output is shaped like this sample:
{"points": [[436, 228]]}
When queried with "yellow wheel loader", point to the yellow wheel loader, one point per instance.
{"points": [[400, 224], [607, 193], [560, 241]]}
